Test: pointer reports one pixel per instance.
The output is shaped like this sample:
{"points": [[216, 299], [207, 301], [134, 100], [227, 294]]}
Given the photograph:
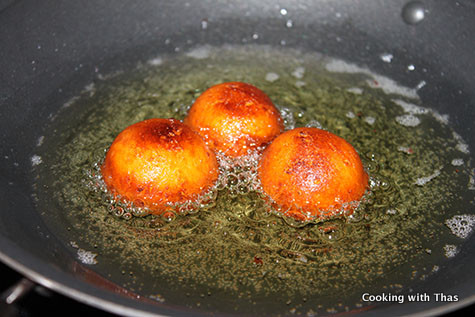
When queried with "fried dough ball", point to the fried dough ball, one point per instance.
{"points": [[158, 162], [234, 118], [312, 173]]}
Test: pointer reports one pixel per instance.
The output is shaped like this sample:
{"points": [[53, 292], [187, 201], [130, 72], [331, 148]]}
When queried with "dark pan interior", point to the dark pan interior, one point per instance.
{"points": [[51, 49]]}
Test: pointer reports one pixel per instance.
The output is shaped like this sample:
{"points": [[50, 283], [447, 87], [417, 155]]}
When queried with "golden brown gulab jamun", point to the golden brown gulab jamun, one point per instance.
{"points": [[235, 118], [312, 174], [157, 163]]}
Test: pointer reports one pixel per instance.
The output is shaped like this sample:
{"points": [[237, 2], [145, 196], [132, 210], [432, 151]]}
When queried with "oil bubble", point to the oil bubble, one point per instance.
{"points": [[242, 189], [169, 216], [314, 124], [356, 91], [127, 216], [288, 117], [299, 72], [421, 84], [232, 180], [370, 120], [408, 120], [387, 57], [421, 181], [461, 225], [450, 250], [391, 211], [36, 160], [271, 77], [139, 212], [118, 211], [238, 175], [86, 257], [331, 232], [457, 162], [355, 217]]}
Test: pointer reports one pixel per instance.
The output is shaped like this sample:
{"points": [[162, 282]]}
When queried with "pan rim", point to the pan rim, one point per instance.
{"points": [[71, 292], [110, 306]]}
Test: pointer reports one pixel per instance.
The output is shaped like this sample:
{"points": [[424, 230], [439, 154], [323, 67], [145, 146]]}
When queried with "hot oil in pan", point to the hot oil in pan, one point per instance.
{"points": [[235, 256]]}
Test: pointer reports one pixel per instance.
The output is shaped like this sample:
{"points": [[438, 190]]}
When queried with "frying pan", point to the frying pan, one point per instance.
{"points": [[50, 50]]}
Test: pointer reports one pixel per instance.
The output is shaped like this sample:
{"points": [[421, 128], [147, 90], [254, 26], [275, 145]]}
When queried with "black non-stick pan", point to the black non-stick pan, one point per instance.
{"points": [[50, 51]]}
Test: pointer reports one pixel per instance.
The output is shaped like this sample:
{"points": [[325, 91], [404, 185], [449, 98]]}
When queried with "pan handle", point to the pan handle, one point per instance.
{"points": [[16, 291]]}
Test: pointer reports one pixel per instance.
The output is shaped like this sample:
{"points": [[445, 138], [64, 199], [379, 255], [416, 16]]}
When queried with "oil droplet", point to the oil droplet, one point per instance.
{"points": [[413, 12]]}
